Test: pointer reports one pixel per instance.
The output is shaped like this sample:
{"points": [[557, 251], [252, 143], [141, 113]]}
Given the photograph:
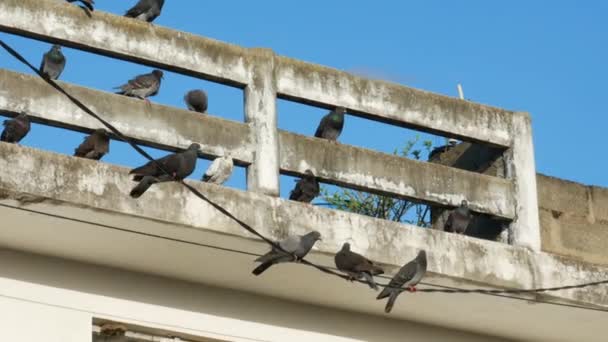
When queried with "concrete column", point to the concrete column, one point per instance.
{"points": [[261, 115], [525, 229]]}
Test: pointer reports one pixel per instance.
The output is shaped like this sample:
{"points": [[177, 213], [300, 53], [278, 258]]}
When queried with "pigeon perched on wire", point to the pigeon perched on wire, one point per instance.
{"points": [[95, 146], [219, 171], [357, 266], [112, 332], [296, 246], [306, 189], [406, 279], [142, 86], [331, 125], [459, 219], [196, 100], [146, 10], [15, 129], [180, 165], [88, 4], [53, 63]]}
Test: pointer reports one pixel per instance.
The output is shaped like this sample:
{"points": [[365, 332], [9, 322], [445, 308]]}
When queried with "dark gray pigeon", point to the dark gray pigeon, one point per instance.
{"points": [[459, 219], [142, 86], [331, 125], [296, 247], [196, 100], [180, 165], [88, 4], [15, 129], [112, 332], [53, 63], [357, 266], [306, 189], [146, 10], [95, 146], [406, 279]]}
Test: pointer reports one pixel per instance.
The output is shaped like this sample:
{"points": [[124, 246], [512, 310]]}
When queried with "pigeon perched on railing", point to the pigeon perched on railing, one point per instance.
{"points": [[406, 279], [219, 171], [459, 219], [15, 129], [306, 189], [179, 165], [357, 266], [146, 10], [142, 86], [53, 63], [297, 247], [95, 146], [331, 125], [196, 100]]}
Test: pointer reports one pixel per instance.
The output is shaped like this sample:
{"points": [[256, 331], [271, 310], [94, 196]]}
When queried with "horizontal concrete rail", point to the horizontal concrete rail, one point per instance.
{"points": [[31, 177], [153, 125], [170, 128], [376, 172], [120, 37]]}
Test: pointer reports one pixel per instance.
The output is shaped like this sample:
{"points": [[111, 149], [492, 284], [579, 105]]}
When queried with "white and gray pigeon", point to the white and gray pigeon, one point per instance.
{"points": [[88, 4], [406, 279], [142, 86], [297, 247], [180, 165], [15, 129], [357, 266], [196, 100], [53, 63], [219, 171], [331, 125], [459, 219], [146, 10]]}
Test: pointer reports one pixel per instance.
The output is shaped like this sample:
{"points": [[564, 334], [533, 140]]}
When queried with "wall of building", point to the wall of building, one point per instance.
{"points": [[62, 297]]}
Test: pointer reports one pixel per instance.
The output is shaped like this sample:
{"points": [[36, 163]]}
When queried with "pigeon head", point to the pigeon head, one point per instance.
{"points": [[56, 48], [101, 131], [314, 235], [346, 247], [464, 204], [421, 257], [22, 116], [309, 174], [157, 73], [338, 114], [194, 147]]}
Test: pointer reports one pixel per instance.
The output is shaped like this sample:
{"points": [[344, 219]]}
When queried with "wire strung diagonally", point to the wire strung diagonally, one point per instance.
{"points": [[250, 229]]}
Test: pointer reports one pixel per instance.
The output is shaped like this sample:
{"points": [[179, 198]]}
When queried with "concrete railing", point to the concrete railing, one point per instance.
{"points": [[265, 77]]}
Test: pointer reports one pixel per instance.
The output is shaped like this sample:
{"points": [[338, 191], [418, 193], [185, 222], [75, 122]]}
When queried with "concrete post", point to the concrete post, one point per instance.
{"points": [[525, 229], [261, 115]]}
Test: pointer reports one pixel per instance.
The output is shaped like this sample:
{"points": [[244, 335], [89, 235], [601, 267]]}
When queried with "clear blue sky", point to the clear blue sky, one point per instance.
{"points": [[544, 57]]}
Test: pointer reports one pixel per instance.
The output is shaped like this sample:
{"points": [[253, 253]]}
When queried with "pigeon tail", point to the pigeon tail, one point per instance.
{"points": [[391, 302], [143, 185], [263, 267], [369, 279], [385, 293]]}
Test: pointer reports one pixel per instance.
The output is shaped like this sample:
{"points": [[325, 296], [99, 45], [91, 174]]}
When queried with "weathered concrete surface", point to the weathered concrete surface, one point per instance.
{"points": [[56, 179], [155, 125], [170, 128], [201, 57], [383, 173], [393, 103]]}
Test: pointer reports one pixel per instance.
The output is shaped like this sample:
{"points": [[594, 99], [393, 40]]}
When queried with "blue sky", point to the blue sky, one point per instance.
{"points": [[544, 57]]}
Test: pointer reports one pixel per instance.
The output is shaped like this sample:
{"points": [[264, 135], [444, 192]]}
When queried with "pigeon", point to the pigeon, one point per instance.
{"points": [[219, 171], [146, 10], [407, 278], [296, 247], [15, 129], [196, 100], [95, 146], [357, 266], [88, 4], [459, 219], [331, 125], [53, 63], [142, 86], [112, 332], [179, 165], [306, 189]]}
